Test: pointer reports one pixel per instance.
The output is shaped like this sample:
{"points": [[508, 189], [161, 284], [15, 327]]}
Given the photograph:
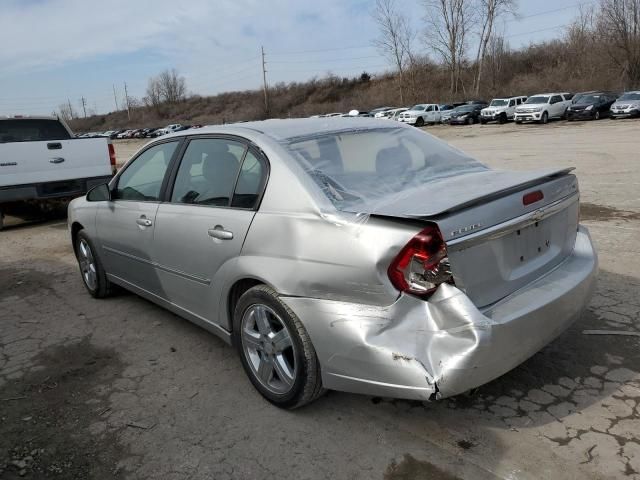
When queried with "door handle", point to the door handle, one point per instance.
{"points": [[220, 233], [144, 222], [56, 160]]}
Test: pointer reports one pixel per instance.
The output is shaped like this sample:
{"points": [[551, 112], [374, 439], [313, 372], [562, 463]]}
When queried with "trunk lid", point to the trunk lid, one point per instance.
{"points": [[496, 244]]}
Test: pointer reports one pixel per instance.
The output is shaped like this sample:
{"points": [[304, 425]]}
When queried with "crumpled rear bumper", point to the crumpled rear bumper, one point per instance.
{"points": [[422, 350]]}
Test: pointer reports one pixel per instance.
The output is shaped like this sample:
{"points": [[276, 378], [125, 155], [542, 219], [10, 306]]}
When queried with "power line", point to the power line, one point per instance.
{"points": [[322, 50], [332, 60], [518, 19], [537, 31]]}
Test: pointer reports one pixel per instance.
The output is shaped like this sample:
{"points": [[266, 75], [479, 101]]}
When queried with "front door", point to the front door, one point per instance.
{"points": [[126, 223], [200, 231]]}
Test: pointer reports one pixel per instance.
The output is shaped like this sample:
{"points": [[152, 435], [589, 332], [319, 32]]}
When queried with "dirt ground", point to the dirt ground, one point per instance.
{"points": [[120, 388]]}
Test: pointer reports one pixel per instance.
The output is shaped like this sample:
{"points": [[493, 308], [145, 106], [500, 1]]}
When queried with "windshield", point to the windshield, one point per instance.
{"points": [[540, 99], [588, 99], [630, 96], [498, 102], [355, 168], [417, 107]]}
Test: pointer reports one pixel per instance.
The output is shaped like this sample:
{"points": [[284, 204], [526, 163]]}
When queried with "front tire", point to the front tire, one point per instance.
{"points": [[275, 349], [596, 115], [420, 122], [93, 274], [545, 118]]}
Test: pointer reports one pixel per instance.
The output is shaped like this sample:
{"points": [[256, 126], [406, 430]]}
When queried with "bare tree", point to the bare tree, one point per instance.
{"points": [[447, 24], [172, 86], [489, 11], [396, 38], [619, 23], [154, 95], [495, 59], [66, 111]]}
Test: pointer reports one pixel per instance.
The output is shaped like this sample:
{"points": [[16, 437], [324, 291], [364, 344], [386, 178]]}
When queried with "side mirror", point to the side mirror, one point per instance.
{"points": [[99, 193]]}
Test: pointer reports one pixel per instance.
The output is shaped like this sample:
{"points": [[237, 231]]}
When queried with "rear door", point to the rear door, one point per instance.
{"points": [[38, 151], [126, 224], [200, 230]]}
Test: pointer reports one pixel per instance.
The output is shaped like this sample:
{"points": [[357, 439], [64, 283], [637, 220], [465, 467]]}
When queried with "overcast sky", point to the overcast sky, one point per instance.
{"points": [[54, 50]]}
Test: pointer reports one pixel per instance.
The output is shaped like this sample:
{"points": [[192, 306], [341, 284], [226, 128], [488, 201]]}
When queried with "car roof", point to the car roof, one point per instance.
{"points": [[288, 129]]}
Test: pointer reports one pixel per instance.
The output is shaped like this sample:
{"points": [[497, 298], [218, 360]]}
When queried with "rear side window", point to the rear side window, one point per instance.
{"points": [[32, 130], [208, 172], [250, 182]]}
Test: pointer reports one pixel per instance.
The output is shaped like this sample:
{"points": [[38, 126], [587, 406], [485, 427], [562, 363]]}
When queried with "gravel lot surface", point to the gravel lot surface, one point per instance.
{"points": [[120, 388]]}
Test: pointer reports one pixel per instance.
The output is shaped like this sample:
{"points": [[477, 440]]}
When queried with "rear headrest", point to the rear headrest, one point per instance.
{"points": [[220, 167], [393, 160]]}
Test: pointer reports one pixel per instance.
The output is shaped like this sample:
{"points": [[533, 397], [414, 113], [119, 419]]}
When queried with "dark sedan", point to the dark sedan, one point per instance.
{"points": [[592, 106], [466, 114]]}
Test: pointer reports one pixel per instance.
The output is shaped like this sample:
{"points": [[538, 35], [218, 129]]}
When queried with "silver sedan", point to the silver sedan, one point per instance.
{"points": [[347, 254]]}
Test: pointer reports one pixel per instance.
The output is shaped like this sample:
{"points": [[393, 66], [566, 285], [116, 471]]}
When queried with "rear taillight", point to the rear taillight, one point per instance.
{"points": [[422, 265], [112, 158]]}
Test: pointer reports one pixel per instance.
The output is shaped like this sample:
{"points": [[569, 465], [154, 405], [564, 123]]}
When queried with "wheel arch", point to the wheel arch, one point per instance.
{"points": [[235, 292], [76, 227]]}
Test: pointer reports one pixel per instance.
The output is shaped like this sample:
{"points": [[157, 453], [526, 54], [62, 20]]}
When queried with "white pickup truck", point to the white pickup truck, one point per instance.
{"points": [[41, 160]]}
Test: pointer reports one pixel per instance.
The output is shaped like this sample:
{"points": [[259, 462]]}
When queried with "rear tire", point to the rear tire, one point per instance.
{"points": [[483, 121], [596, 116], [470, 121], [93, 274], [275, 349]]}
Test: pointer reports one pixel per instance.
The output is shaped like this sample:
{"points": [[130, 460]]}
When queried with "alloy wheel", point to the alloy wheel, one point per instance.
{"points": [[87, 265], [268, 348]]}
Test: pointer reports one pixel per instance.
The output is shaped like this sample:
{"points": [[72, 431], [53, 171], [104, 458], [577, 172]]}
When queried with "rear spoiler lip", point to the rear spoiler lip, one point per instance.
{"points": [[493, 195]]}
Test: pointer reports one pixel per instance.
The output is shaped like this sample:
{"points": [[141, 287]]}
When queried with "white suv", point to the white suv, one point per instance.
{"points": [[501, 109], [421, 114], [542, 107]]}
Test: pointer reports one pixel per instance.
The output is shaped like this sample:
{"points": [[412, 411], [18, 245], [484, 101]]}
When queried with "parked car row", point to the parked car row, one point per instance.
{"points": [[139, 132], [539, 108]]}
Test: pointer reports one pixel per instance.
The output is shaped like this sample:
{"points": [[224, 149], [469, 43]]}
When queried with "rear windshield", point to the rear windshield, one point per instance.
{"points": [[630, 96], [356, 168], [32, 130]]}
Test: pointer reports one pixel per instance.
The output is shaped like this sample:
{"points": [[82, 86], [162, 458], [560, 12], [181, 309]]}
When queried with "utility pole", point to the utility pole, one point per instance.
{"points": [[83, 101], [70, 109], [126, 97], [264, 80], [115, 98]]}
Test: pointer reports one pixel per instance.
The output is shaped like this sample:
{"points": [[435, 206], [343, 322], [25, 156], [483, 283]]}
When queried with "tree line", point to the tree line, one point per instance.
{"points": [[606, 35]]}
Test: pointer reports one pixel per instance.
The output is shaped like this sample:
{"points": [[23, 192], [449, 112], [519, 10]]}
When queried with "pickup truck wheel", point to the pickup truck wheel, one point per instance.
{"points": [[420, 122], [545, 118], [275, 349], [93, 274]]}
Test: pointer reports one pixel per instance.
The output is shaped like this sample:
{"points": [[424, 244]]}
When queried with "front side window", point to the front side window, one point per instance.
{"points": [[208, 172], [142, 179], [556, 99]]}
